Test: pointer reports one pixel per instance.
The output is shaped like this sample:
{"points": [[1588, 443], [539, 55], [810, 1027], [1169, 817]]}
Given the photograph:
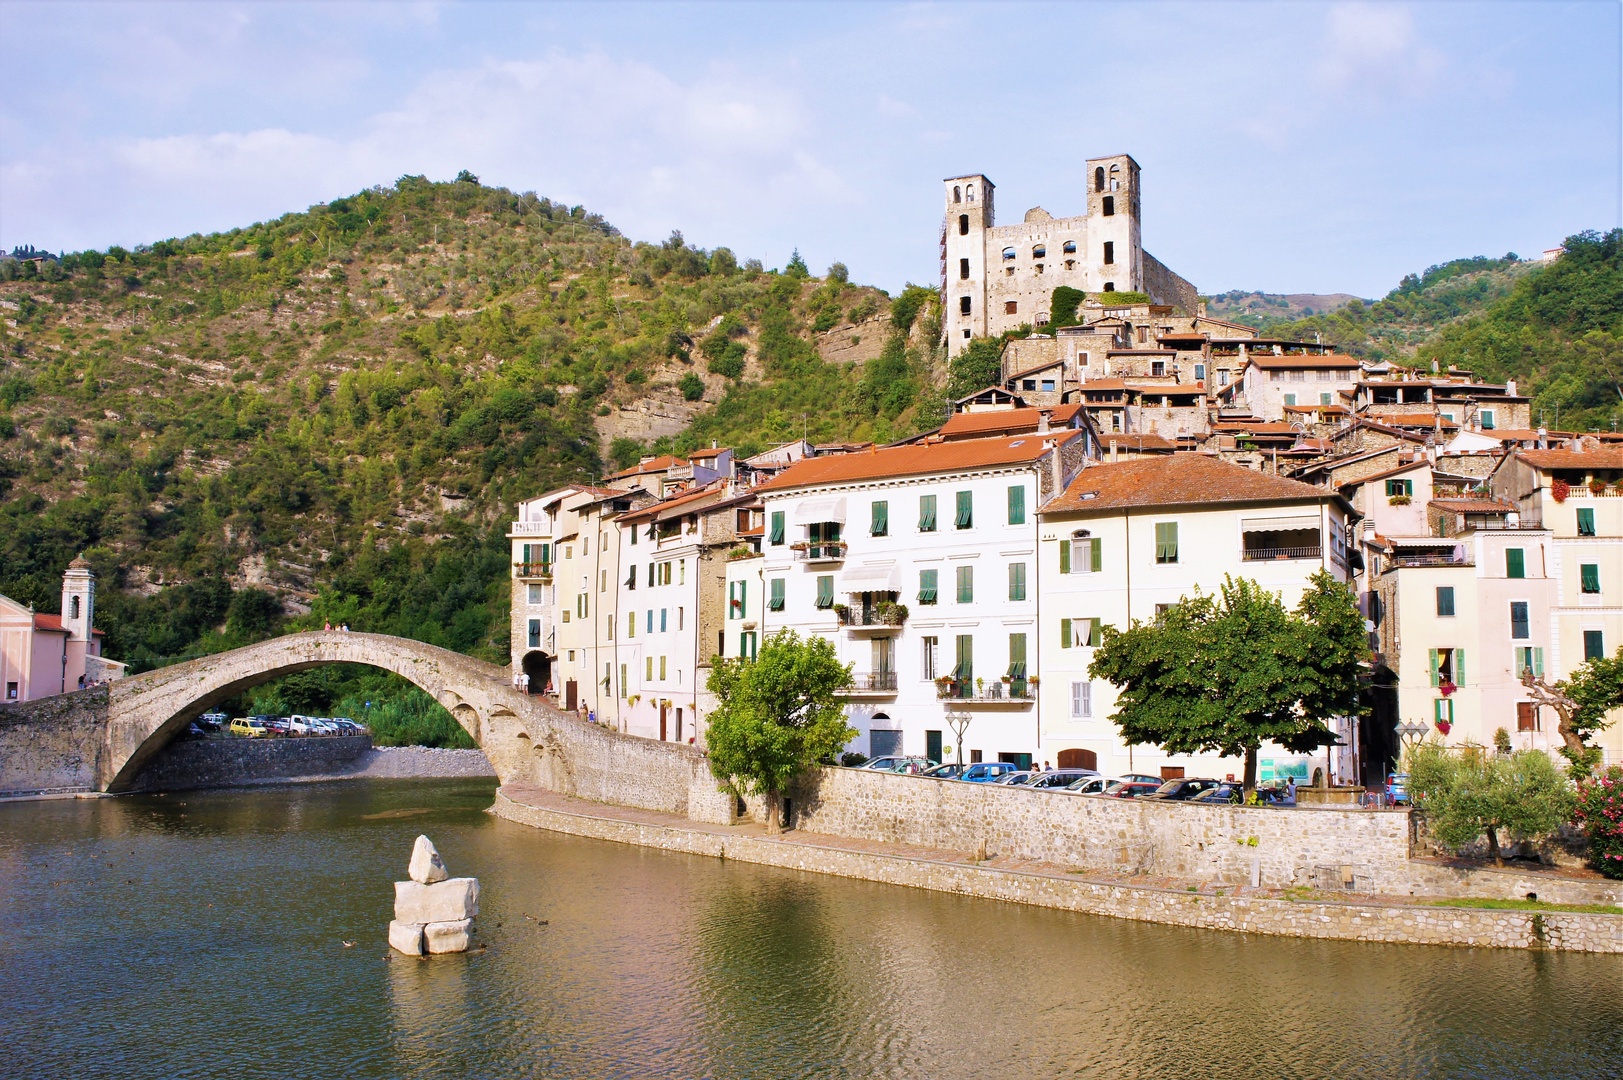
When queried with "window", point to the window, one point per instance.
{"points": [[536, 595], [1200, 372], [1324, 399], [603, 581], [1009, 253], [1586, 521], [1110, 255], [1526, 716], [963, 224], [1017, 662], [1109, 206], [535, 633], [1011, 307], [1110, 286], [825, 592], [1594, 646], [633, 531], [1442, 711], [580, 605], [631, 624], [926, 513], [1082, 699], [622, 680], [966, 584], [927, 586], [1447, 666], [1040, 251], [1445, 600], [1027, 384], [966, 510], [1395, 488], [777, 527], [648, 669], [1486, 416], [662, 660], [1166, 542], [650, 620], [932, 647], [880, 518], [963, 269], [1158, 367], [775, 598], [1083, 556], [651, 572], [1515, 563], [1589, 577], [747, 645], [964, 672], [735, 599], [1099, 178], [1017, 504], [957, 193], [969, 192], [963, 305], [1530, 659], [1017, 581], [1070, 247], [1518, 619], [1048, 384]]}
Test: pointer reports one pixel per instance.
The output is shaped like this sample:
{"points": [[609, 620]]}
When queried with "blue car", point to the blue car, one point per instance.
{"points": [[987, 771], [1397, 789]]}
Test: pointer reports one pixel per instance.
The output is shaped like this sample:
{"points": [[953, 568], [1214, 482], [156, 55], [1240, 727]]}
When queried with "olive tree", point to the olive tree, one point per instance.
{"points": [[1468, 794], [779, 714]]}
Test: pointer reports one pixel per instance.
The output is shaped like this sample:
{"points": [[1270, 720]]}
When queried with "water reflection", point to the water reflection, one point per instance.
{"points": [[200, 935]]}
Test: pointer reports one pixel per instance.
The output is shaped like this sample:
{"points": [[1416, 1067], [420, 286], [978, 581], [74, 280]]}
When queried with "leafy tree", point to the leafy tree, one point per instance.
{"points": [[1469, 794], [466, 177], [906, 308], [625, 452], [839, 272], [778, 715], [1225, 673], [692, 387], [1581, 703], [978, 366]]}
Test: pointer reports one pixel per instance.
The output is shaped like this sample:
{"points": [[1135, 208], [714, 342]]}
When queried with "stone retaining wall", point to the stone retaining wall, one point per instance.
{"points": [[210, 763], [53, 743], [1567, 931]]}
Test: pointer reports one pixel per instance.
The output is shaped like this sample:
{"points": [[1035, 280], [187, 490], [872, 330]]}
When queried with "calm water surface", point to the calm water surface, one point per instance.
{"points": [[200, 935]]}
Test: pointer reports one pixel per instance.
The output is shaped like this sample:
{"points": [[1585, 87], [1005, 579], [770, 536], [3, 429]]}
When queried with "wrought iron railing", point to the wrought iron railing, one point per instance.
{"points": [[893, 616], [996, 690], [1259, 554], [817, 552], [532, 569], [872, 681]]}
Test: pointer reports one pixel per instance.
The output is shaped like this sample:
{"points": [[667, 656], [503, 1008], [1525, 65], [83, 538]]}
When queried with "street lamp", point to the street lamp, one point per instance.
{"points": [[959, 722]]}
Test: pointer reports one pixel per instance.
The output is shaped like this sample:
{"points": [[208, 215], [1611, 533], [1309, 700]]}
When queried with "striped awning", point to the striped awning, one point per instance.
{"points": [[1279, 524], [815, 511]]}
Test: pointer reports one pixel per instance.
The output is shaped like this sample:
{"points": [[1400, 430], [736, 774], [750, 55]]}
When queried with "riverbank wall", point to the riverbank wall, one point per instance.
{"points": [[217, 763], [1073, 891], [52, 745]]}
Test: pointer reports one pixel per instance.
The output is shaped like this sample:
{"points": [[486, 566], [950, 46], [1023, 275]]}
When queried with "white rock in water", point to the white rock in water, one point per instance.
{"points": [[448, 937], [426, 865], [406, 937], [443, 901]]}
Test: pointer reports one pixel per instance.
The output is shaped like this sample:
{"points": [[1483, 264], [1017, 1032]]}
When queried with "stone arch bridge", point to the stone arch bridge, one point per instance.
{"points": [[101, 738]]}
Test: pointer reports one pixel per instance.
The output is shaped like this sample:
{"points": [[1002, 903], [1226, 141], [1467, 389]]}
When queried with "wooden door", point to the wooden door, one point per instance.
{"points": [[1526, 716], [663, 708], [1078, 759], [571, 701], [1171, 772]]}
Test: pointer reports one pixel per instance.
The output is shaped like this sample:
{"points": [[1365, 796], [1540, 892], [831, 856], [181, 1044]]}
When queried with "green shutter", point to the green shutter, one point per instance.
{"points": [[966, 510], [777, 526], [1096, 554], [927, 586], [926, 513], [1538, 663], [1515, 563], [777, 594], [1586, 521], [1017, 581], [1434, 669], [1065, 556], [1017, 654], [881, 518], [1459, 667], [1095, 633], [526, 559], [825, 591], [1065, 633], [1166, 542], [1017, 505], [966, 658], [966, 584], [1589, 573]]}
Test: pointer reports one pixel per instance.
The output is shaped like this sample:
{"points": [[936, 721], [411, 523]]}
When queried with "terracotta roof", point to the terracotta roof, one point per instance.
{"points": [[1179, 480], [1365, 422], [659, 464], [1010, 420], [1408, 466], [1271, 427], [1329, 360], [1104, 384], [684, 502], [714, 452], [52, 623], [1034, 370], [1145, 442], [1418, 420], [1473, 506], [1315, 408], [1519, 434], [1609, 458], [917, 459], [1180, 389]]}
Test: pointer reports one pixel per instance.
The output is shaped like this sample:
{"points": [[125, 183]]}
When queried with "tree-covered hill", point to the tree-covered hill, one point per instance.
{"points": [[329, 416]]}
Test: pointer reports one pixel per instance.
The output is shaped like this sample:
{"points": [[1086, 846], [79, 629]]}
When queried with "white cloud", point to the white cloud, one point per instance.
{"points": [[1373, 48]]}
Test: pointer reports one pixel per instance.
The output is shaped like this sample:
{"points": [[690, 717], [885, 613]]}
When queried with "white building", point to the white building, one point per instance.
{"points": [[1125, 541], [920, 563]]}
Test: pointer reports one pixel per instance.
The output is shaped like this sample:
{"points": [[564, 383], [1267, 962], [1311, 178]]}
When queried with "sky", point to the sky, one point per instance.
{"points": [[1286, 147]]}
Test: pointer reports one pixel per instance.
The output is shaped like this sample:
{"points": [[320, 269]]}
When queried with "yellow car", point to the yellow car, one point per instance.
{"points": [[249, 727]]}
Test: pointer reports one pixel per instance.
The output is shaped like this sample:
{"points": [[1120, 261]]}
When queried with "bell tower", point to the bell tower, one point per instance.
{"points": [[78, 600], [1115, 260], [963, 258]]}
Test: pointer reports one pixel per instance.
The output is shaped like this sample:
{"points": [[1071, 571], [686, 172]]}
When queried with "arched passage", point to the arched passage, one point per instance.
{"points": [[538, 667]]}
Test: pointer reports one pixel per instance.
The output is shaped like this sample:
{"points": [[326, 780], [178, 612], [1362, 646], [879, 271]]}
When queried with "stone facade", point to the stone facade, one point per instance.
{"points": [[207, 763], [52, 744]]}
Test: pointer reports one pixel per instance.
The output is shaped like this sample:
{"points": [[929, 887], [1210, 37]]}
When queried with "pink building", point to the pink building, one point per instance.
{"points": [[41, 655]]}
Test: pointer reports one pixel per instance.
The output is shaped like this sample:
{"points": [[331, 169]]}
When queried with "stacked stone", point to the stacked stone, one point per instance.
{"points": [[433, 912]]}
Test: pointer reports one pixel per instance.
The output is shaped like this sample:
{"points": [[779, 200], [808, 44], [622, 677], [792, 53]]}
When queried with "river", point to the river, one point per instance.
{"points": [[200, 934]]}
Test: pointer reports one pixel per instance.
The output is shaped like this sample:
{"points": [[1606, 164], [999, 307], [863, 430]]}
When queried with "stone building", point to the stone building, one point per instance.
{"points": [[996, 277], [42, 655]]}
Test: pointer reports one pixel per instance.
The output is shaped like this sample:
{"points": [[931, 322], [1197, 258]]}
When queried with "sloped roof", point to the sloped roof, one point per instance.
{"points": [[918, 459], [1610, 457], [1179, 480], [1473, 506], [1011, 420], [1327, 360], [659, 464]]}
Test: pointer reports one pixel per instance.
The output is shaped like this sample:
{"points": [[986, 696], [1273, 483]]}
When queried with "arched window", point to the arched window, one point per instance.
{"points": [[957, 196], [1109, 206], [1009, 253], [1115, 181], [1070, 247], [969, 193], [963, 224], [963, 305], [1040, 251], [1110, 286], [75, 606], [1099, 178]]}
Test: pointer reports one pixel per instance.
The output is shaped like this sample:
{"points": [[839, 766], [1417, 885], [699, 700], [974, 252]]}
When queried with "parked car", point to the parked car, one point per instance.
{"points": [[249, 727], [1015, 779], [1144, 778], [1181, 789], [1095, 784], [213, 721], [346, 726], [299, 725], [1060, 779], [1397, 789], [1226, 792], [1135, 789], [275, 725], [949, 771], [984, 772], [323, 725], [888, 762]]}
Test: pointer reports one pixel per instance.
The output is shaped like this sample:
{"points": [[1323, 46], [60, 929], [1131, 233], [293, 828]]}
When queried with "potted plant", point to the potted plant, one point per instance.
{"points": [[1559, 490], [1033, 681], [799, 545], [1398, 500], [1443, 726], [842, 612], [980, 685], [1596, 485]]}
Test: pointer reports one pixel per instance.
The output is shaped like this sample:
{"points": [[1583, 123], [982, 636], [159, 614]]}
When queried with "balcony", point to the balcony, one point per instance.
{"points": [[532, 571], [530, 528], [831, 551], [995, 692], [864, 683], [1433, 560], [1265, 554], [882, 616]]}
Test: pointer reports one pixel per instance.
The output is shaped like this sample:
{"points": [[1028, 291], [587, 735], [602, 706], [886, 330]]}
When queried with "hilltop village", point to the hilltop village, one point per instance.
{"points": [[1119, 463]]}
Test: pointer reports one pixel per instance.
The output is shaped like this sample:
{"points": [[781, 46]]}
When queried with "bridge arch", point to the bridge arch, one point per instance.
{"points": [[148, 711]]}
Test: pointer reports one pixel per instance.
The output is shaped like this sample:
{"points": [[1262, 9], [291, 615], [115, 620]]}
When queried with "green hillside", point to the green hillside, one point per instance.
{"points": [[329, 416]]}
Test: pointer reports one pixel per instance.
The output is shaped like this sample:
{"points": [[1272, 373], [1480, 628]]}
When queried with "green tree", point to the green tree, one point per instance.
{"points": [[978, 366], [778, 715], [1469, 794], [839, 272], [1581, 703], [797, 267], [1225, 673], [692, 387]]}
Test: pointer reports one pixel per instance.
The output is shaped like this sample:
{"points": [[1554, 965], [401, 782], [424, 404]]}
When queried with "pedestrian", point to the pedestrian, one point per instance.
{"points": [[328, 627], [591, 715], [1290, 787], [1047, 767]]}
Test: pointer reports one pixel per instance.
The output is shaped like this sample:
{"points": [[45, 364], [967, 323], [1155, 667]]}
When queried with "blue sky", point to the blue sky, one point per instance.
{"points": [[1285, 146]]}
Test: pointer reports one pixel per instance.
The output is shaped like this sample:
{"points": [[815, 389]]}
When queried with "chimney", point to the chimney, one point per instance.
{"points": [[1115, 450], [1543, 438], [1434, 367], [1510, 387], [1042, 421]]}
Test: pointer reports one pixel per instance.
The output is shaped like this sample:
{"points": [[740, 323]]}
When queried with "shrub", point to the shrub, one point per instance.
{"points": [[1600, 810], [692, 387], [1467, 796]]}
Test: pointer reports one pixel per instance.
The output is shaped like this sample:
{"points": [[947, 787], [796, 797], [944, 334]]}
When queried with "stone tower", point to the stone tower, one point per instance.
{"points": [[78, 600], [1114, 256], [969, 215]]}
